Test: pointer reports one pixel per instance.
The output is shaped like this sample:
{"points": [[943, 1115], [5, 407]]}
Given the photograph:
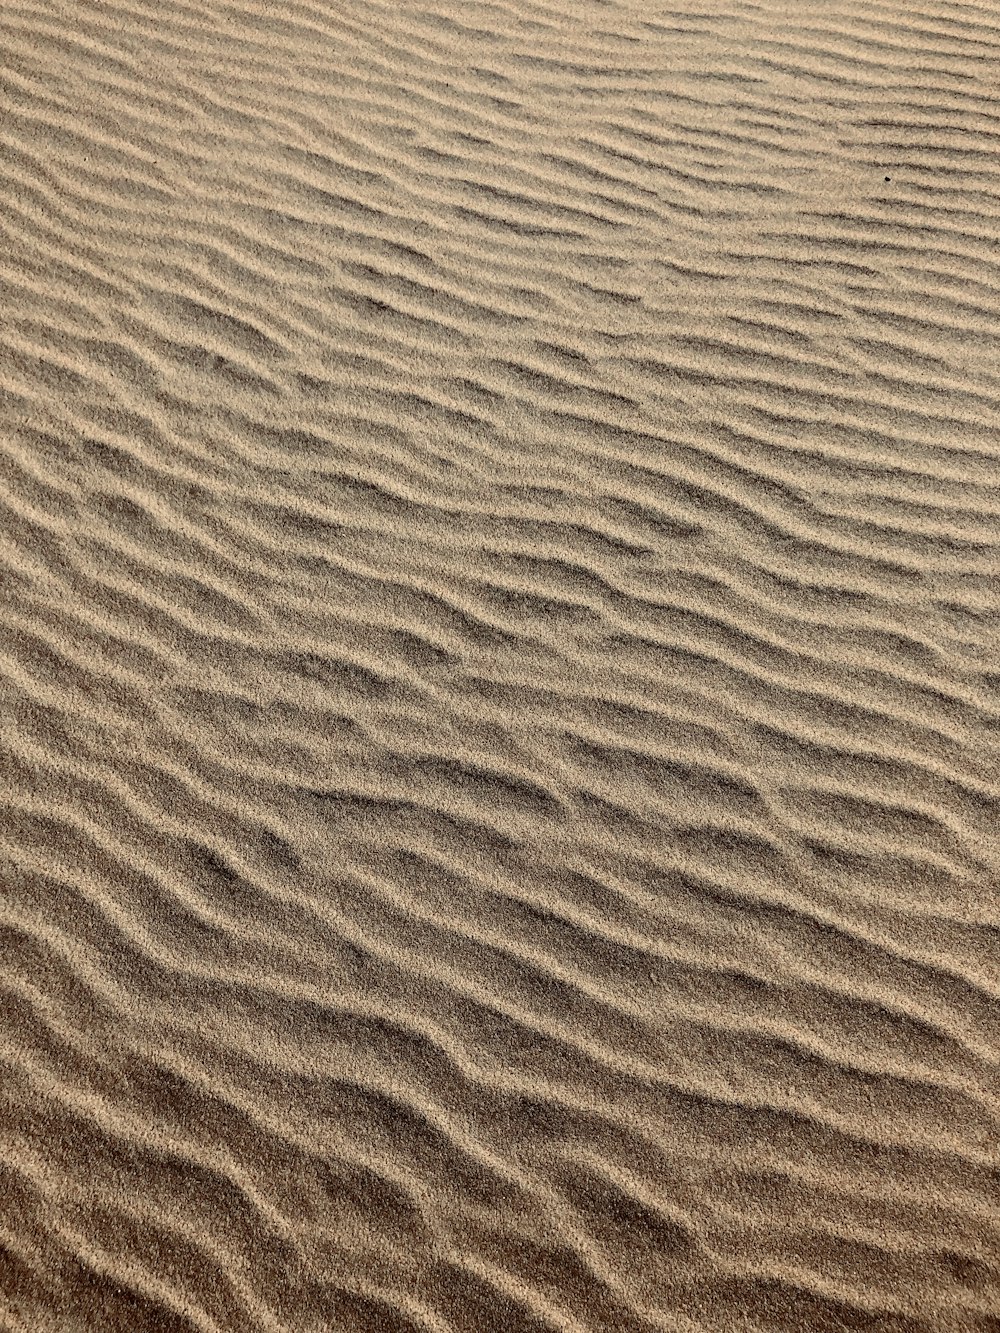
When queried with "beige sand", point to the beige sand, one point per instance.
{"points": [[499, 666]]}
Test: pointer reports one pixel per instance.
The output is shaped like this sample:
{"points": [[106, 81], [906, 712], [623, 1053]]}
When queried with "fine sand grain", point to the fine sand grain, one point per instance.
{"points": [[499, 666]]}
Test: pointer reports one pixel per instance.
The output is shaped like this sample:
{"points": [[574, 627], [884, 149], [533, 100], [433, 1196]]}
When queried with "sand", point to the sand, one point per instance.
{"points": [[500, 728]]}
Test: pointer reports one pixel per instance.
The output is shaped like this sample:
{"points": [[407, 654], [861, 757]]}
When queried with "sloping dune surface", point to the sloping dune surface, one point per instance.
{"points": [[500, 666]]}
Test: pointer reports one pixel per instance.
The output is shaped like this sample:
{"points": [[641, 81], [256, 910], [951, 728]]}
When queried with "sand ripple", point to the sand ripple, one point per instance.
{"points": [[500, 743]]}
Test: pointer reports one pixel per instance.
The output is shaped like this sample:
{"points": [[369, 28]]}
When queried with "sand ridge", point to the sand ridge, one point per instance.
{"points": [[500, 729]]}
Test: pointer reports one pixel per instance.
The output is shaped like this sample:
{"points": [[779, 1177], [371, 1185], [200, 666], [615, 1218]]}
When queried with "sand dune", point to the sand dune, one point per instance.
{"points": [[500, 751]]}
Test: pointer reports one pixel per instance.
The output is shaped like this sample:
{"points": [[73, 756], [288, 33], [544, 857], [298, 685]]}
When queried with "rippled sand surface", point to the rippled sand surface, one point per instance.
{"points": [[499, 666]]}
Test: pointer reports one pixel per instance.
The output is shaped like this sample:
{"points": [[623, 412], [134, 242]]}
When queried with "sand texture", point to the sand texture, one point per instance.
{"points": [[499, 666]]}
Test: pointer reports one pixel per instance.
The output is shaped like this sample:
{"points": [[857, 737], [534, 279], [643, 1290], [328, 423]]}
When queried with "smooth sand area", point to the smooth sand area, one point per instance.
{"points": [[499, 666]]}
